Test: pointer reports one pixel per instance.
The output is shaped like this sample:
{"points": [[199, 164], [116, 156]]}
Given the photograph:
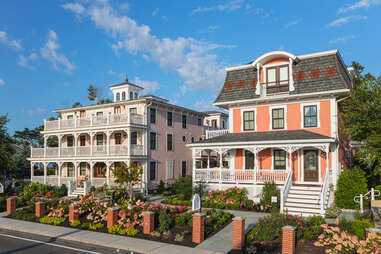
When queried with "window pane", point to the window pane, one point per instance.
{"points": [[271, 75], [152, 115], [152, 170], [283, 73], [152, 140]]}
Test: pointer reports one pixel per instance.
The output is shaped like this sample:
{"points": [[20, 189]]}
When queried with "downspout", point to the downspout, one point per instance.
{"points": [[146, 148]]}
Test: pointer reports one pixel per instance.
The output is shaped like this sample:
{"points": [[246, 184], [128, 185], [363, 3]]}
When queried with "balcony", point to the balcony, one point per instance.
{"points": [[215, 133], [87, 151], [95, 121]]}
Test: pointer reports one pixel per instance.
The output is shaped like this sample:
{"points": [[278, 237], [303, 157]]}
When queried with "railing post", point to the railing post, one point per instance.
{"points": [[361, 204], [372, 193], [281, 201], [59, 123]]}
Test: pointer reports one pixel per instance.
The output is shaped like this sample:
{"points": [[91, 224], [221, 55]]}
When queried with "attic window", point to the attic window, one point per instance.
{"points": [[117, 96], [277, 79]]}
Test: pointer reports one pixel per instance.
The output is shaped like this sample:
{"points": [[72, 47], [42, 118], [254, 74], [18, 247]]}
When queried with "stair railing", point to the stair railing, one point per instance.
{"points": [[370, 194], [72, 186], [323, 194], [286, 189]]}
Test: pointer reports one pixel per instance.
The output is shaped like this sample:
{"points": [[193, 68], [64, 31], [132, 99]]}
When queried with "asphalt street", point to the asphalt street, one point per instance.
{"points": [[12, 242]]}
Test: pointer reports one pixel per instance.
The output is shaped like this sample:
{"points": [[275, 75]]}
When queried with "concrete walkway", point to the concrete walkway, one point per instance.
{"points": [[222, 241]]}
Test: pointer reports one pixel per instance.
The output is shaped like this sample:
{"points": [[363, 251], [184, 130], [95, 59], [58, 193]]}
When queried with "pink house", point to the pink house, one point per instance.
{"points": [[284, 127]]}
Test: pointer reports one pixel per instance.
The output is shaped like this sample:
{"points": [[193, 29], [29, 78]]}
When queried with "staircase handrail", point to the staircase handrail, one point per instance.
{"points": [[324, 192], [86, 186], [72, 187], [286, 188], [359, 199]]}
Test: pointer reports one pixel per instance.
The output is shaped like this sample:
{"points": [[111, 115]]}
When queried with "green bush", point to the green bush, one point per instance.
{"points": [[96, 226], [161, 187], [52, 220], [359, 227], [349, 185], [183, 219], [183, 186], [85, 225], [130, 231], [75, 223], [164, 222], [315, 222], [115, 229], [268, 191]]}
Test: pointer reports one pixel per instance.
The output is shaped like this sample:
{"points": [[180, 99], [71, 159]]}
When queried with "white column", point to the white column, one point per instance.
{"points": [[59, 123], [75, 170], [108, 173], [75, 143], [258, 88], [91, 171], [59, 145], [91, 143], [129, 141], [327, 160], [292, 88], [59, 164], [256, 166], [31, 170], [45, 172], [108, 142], [220, 165], [45, 144]]}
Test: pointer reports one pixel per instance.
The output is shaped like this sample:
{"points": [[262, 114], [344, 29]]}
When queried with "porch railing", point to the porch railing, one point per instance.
{"points": [[215, 133], [324, 191], [285, 190], [240, 175]]}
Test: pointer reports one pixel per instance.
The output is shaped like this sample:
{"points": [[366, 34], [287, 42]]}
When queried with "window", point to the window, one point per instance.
{"points": [[277, 118], [183, 168], [152, 115], [131, 96], [248, 120], [223, 124], [152, 170], [99, 139], [169, 142], [277, 75], [310, 116], [118, 138], [117, 110], [117, 96], [134, 138], [199, 122], [135, 95], [214, 123], [184, 121], [184, 139], [310, 160], [169, 118], [82, 168], [279, 159], [70, 170], [152, 140], [82, 140], [70, 141], [133, 110], [170, 166], [192, 139], [99, 114], [123, 96], [69, 117]]}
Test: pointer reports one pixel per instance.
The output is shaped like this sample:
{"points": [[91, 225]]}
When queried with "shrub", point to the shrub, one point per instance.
{"points": [[179, 237], [164, 222], [183, 185], [130, 231], [114, 229], [155, 234], [161, 187], [52, 220], [349, 185], [332, 212], [268, 191], [359, 227], [86, 225], [75, 223], [96, 226], [314, 223]]}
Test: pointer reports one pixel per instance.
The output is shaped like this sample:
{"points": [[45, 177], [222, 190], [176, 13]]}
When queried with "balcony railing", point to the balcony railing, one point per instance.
{"points": [[240, 175], [62, 124], [277, 89], [215, 133], [86, 151]]}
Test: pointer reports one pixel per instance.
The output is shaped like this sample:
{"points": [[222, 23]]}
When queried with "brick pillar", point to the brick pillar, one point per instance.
{"points": [[148, 222], [238, 233], [198, 227], [11, 206], [40, 209], [112, 216], [73, 213], [288, 240]]}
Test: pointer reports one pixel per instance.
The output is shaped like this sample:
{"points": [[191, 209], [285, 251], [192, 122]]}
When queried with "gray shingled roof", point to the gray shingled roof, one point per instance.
{"points": [[264, 136], [308, 85]]}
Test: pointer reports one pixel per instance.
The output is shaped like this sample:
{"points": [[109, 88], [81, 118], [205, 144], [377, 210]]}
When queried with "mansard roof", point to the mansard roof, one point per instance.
{"points": [[304, 82], [274, 136]]}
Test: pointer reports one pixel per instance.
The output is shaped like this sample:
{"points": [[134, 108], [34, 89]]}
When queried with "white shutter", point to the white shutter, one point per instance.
{"points": [[170, 167]]}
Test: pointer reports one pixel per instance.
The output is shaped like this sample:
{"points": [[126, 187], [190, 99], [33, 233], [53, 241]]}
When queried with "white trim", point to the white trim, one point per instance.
{"points": [[284, 107], [277, 64], [277, 53], [255, 119], [271, 142], [323, 53], [302, 105], [283, 97], [334, 119]]}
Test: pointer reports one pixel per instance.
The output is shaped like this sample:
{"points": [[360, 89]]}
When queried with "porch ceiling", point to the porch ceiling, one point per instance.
{"points": [[269, 136]]}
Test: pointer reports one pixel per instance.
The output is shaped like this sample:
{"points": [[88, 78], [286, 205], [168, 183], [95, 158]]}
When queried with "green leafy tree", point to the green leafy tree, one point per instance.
{"points": [[76, 105], [93, 93], [6, 151], [183, 187], [128, 177], [362, 118]]}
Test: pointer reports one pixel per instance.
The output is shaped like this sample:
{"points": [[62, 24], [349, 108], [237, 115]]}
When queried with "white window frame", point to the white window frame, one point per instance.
{"points": [[284, 107], [166, 143], [302, 165], [317, 104], [255, 119], [273, 159], [167, 168], [149, 170]]}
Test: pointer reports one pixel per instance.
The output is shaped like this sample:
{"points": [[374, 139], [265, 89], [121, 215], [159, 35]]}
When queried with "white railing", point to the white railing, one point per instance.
{"points": [[100, 150], [285, 190], [51, 152], [240, 175], [137, 150], [324, 191], [114, 119], [118, 149], [83, 151], [36, 152], [215, 133], [369, 195], [67, 151]]}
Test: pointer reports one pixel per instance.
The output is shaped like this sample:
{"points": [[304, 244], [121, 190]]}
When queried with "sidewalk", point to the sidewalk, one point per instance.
{"points": [[101, 239]]}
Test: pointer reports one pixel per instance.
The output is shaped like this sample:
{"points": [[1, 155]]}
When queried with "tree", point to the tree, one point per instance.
{"points": [[6, 151], [128, 176], [362, 118], [93, 93], [76, 104]]}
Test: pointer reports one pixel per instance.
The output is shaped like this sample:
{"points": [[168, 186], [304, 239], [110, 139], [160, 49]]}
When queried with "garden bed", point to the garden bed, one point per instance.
{"points": [[172, 224]]}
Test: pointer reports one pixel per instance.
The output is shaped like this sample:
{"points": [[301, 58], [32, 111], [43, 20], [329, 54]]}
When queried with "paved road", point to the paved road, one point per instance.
{"points": [[12, 242]]}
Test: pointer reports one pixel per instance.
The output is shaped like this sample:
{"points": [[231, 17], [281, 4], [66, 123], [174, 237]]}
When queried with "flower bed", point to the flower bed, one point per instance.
{"points": [[173, 223], [232, 198]]}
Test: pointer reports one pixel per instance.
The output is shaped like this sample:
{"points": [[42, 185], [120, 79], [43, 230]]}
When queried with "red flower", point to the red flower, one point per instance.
{"points": [[48, 195], [14, 194]]}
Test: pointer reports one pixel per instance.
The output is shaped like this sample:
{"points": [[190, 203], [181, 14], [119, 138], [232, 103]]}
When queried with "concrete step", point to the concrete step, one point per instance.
{"points": [[304, 192], [302, 200], [308, 188], [302, 210], [302, 205], [303, 214], [303, 196]]}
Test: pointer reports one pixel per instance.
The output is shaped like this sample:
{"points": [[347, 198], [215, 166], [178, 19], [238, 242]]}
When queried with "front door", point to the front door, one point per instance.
{"points": [[99, 170], [249, 160], [311, 166]]}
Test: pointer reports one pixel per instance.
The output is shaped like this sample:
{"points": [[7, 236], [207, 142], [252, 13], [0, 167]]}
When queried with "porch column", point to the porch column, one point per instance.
{"points": [[59, 145], [289, 158], [75, 170], [91, 143], [220, 165], [326, 160], [108, 142], [130, 140], [75, 143], [108, 173], [256, 165], [59, 164], [45, 172], [193, 164], [31, 170], [45, 144], [91, 172], [208, 162]]}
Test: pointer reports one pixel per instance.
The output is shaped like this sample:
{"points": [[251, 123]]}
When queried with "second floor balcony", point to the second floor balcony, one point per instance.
{"points": [[94, 121], [88, 151]]}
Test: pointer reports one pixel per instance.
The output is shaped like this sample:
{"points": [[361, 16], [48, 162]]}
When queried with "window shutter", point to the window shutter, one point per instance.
{"points": [[170, 169]]}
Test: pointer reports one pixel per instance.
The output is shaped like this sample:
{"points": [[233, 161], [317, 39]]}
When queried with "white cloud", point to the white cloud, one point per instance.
{"points": [[25, 61], [155, 12], [205, 106], [111, 72], [149, 86], [193, 60], [209, 29], [362, 4], [74, 7], [293, 23], [344, 20], [343, 39], [2, 82], [14, 44], [50, 53], [226, 7]]}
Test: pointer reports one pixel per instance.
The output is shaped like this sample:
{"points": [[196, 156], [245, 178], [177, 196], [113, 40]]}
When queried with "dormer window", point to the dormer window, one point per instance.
{"points": [[117, 96], [123, 96], [277, 79]]}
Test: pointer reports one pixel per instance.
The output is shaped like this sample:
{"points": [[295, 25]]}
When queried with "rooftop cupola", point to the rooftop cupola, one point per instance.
{"points": [[125, 91]]}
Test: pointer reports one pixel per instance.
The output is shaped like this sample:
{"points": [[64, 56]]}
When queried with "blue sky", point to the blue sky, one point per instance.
{"points": [[50, 51]]}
